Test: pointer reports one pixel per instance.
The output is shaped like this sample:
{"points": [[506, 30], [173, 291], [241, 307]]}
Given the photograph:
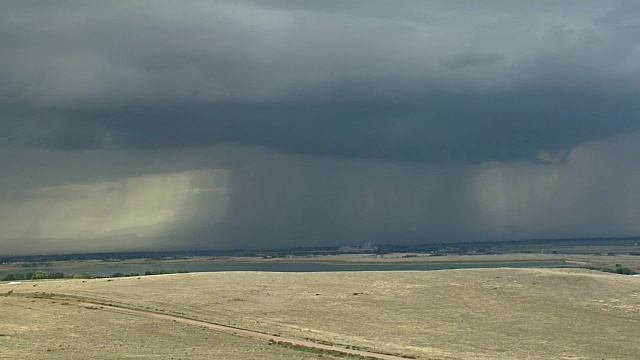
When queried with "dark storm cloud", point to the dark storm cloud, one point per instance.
{"points": [[381, 79], [148, 125], [474, 127]]}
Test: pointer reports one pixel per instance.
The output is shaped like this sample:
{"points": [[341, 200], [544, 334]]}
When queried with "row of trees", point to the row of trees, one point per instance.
{"points": [[151, 272], [38, 275]]}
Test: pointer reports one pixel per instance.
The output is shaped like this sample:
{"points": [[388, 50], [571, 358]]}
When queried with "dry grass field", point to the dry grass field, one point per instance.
{"points": [[140, 265], [42, 329], [450, 314]]}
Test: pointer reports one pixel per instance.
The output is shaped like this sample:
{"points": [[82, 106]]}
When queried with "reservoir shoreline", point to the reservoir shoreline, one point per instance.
{"points": [[140, 266]]}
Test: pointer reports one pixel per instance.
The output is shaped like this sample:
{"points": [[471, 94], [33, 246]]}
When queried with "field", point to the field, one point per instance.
{"points": [[42, 329], [451, 314], [579, 257]]}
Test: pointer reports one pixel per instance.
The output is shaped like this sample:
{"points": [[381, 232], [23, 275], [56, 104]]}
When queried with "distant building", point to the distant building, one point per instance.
{"points": [[364, 248]]}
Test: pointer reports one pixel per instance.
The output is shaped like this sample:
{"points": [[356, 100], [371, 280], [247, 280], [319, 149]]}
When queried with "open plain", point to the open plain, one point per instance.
{"points": [[499, 313], [593, 257]]}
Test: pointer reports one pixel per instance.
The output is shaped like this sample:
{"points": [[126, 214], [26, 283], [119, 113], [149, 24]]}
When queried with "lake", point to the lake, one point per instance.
{"points": [[106, 269]]}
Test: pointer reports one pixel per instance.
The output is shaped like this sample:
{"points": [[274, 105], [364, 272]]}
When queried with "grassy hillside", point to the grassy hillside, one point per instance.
{"points": [[451, 314]]}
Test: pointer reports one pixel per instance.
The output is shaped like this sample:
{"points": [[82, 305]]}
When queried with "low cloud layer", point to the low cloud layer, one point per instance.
{"points": [[266, 199], [334, 122]]}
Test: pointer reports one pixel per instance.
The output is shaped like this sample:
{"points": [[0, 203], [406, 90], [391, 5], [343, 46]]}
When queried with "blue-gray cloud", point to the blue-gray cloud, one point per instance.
{"points": [[412, 81], [333, 121]]}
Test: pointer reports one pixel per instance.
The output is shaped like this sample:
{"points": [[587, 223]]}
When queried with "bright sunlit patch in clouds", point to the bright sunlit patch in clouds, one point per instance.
{"points": [[592, 192], [139, 207], [516, 198]]}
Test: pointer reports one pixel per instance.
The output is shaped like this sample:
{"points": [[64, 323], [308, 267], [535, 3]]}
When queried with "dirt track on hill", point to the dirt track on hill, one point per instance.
{"points": [[218, 327]]}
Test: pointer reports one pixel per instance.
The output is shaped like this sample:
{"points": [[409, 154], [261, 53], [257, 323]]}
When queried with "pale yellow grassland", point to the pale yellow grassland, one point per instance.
{"points": [[44, 329], [450, 314]]}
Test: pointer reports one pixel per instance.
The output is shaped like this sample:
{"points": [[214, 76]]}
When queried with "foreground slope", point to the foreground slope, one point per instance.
{"points": [[451, 314], [44, 329]]}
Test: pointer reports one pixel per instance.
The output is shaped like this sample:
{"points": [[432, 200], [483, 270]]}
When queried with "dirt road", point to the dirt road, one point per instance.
{"points": [[73, 299]]}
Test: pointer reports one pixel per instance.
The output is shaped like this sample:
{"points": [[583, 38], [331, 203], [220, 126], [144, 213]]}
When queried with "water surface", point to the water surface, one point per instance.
{"points": [[110, 268]]}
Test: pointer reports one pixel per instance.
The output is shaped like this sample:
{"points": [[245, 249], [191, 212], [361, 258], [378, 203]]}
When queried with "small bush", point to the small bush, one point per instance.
{"points": [[620, 269], [119, 274], [38, 275]]}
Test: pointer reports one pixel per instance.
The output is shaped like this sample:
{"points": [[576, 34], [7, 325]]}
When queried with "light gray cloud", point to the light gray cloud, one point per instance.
{"points": [[461, 61]]}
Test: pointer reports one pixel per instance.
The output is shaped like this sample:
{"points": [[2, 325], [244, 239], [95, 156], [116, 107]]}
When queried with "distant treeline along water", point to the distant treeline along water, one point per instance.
{"points": [[118, 269]]}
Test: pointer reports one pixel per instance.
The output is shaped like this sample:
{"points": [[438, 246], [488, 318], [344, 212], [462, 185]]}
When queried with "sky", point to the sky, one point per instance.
{"points": [[161, 125]]}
